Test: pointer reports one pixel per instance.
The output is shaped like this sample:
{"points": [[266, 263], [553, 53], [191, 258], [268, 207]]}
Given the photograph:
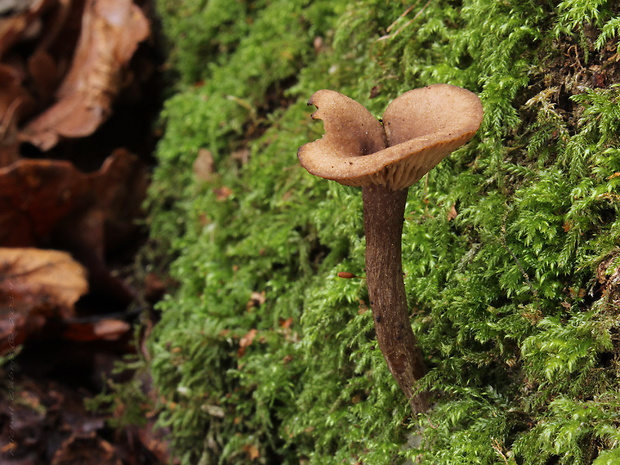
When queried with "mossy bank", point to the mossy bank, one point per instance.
{"points": [[511, 246]]}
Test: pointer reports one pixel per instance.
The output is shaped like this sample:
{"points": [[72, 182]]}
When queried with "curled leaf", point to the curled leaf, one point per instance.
{"points": [[111, 32], [35, 286]]}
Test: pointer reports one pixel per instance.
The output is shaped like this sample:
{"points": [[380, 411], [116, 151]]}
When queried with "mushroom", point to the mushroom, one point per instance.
{"points": [[420, 128]]}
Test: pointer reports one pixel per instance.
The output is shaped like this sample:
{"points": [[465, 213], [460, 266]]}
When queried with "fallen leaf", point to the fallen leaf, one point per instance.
{"points": [[256, 300], [246, 341], [222, 193], [204, 166], [85, 213], [252, 451], [452, 214], [111, 32], [36, 286]]}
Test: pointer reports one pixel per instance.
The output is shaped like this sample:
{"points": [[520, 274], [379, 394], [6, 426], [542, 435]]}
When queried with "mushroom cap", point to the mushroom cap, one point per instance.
{"points": [[420, 128]]}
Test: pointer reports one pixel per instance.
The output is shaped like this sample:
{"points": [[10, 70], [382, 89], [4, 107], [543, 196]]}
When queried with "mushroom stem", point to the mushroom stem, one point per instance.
{"points": [[384, 211]]}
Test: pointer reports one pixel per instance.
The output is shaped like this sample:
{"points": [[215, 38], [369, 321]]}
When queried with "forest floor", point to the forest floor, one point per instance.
{"points": [[80, 92]]}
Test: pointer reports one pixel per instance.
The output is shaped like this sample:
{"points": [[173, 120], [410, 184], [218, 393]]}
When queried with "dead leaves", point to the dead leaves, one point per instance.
{"points": [[36, 286], [50, 424], [246, 341], [62, 65], [37, 196], [66, 67], [83, 84], [111, 31]]}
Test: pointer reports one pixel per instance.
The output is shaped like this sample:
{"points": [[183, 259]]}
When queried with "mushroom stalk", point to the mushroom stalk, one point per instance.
{"points": [[383, 223]]}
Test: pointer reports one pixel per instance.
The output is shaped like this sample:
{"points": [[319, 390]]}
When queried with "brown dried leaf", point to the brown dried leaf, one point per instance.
{"points": [[85, 213], [252, 451], [111, 31], [37, 195], [246, 341], [36, 285], [222, 193], [256, 300], [286, 324], [452, 214], [204, 166]]}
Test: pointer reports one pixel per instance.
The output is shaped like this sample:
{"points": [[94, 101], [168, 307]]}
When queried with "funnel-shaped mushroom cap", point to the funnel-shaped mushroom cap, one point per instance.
{"points": [[421, 127]]}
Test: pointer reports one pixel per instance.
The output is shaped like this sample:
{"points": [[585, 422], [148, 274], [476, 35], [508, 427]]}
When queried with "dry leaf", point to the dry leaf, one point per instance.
{"points": [[36, 285], [222, 193], [286, 324], [204, 166], [85, 213], [256, 300], [246, 341], [111, 31], [452, 214], [36, 195], [252, 451]]}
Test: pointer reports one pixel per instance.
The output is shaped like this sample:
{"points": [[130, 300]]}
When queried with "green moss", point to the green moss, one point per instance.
{"points": [[264, 354]]}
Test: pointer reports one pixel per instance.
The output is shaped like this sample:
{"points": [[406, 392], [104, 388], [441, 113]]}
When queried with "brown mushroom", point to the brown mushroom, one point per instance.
{"points": [[420, 128]]}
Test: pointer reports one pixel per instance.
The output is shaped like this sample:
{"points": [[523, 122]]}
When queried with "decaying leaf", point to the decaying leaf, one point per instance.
{"points": [[256, 300], [111, 32], [246, 341], [204, 166], [222, 193], [41, 200], [35, 286], [252, 451], [452, 214], [36, 196]]}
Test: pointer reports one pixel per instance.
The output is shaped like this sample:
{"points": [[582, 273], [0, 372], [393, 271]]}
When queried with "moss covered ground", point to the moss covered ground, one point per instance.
{"points": [[511, 246]]}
